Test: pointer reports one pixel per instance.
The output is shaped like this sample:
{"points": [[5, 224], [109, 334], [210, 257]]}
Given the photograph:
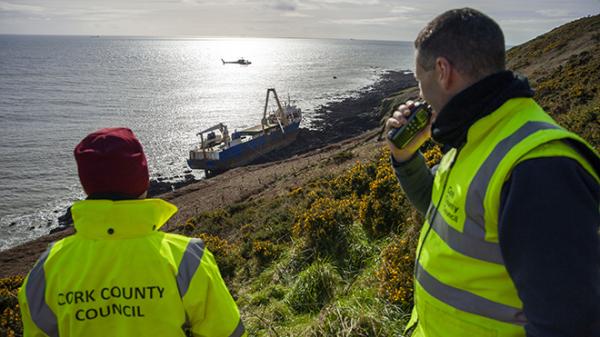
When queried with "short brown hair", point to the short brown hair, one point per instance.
{"points": [[470, 40]]}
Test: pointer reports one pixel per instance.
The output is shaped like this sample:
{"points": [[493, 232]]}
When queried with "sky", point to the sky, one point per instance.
{"points": [[359, 19]]}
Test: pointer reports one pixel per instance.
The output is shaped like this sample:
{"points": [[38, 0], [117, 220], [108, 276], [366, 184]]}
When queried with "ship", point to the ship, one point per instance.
{"points": [[218, 151]]}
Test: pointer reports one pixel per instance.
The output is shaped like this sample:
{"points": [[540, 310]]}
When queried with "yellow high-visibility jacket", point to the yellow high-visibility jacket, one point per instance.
{"points": [[119, 276], [462, 287]]}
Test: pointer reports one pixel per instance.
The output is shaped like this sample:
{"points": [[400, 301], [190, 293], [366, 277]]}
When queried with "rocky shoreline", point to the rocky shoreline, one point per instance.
{"points": [[345, 119], [339, 123], [335, 122]]}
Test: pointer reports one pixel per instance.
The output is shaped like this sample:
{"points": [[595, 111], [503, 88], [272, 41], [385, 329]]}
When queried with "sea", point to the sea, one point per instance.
{"points": [[54, 90]]}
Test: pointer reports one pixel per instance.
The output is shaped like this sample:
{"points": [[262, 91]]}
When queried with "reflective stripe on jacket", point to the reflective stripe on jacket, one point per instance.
{"points": [[119, 276], [462, 287]]}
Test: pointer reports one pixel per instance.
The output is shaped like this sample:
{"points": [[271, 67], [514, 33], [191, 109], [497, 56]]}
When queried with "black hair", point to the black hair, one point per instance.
{"points": [[111, 196], [470, 40]]}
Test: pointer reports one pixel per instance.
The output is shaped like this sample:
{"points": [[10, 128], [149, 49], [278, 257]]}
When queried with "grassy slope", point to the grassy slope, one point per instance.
{"points": [[333, 257], [563, 67]]}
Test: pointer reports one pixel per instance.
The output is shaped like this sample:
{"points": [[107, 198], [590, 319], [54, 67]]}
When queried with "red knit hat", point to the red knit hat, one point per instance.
{"points": [[112, 161]]}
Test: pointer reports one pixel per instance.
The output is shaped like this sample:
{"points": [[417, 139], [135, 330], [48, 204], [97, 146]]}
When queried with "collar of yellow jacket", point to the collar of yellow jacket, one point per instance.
{"points": [[107, 219]]}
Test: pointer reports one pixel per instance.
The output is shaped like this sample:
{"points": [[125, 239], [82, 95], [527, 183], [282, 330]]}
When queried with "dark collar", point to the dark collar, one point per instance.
{"points": [[477, 101]]}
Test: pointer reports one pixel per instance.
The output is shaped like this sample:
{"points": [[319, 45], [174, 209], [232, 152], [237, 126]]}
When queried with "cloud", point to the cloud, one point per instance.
{"points": [[379, 19], [280, 5], [403, 9], [95, 13], [554, 13], [305, 5], [23, 9], [370, 21], [352, 2], [528, 23], [296, 15], [212, 2], [284, 6], [108, 14]]}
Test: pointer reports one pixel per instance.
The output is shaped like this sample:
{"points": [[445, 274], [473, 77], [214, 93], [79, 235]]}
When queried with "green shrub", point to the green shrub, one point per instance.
{"points": [[10, 315], [359, 316], [264, 251], [314, 287], [385, 208], [346, 321], [359, 252], [432, 154], [273, 292], [585, 121], [395, 271], [296, 259], [277, 311], [342, 156], [210, 222], [324, 226], [226, 254], [353, 182]]}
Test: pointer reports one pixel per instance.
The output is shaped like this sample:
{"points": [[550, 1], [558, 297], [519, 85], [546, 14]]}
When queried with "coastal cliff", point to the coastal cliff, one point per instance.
{"points": [[321, 243]]}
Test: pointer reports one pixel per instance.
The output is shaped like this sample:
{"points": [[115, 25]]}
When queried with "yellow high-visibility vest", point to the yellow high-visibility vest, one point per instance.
{"points": [[462, 287], [119, 276]]}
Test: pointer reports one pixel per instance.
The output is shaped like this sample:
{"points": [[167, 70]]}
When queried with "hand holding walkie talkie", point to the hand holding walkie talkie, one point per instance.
{"points": [[407, 122], [417, 121]]}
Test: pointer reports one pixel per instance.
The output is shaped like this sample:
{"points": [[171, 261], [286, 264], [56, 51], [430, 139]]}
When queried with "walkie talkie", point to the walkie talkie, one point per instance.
{"points": [[418, 120]]}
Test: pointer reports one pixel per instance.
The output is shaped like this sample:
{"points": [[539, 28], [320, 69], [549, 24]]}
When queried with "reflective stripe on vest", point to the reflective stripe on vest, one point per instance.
{"points": [[190, 261], [189, 264], [35, 291], [239, 330], [465, 244], [469, 302], [471, 242], [474, 222]]}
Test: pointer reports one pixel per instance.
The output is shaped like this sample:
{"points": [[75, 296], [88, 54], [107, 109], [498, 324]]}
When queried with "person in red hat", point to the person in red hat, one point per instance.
{"points": [[118, 275], [111, 164]]}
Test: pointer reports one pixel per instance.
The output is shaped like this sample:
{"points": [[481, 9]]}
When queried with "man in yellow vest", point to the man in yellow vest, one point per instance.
{"points": [[510, 244], [118, 275]]}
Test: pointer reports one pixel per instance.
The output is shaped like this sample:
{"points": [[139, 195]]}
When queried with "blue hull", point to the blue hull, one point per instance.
{"points": [[249, 151]]}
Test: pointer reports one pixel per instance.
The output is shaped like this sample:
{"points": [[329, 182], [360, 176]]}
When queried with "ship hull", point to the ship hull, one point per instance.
{"points": [[249, 151]]}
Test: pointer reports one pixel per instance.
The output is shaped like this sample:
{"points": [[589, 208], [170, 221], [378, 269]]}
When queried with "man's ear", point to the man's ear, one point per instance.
{"points": [[445, 73]]}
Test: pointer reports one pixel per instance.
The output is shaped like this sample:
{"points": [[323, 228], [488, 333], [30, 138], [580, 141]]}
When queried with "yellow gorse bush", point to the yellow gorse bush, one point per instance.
{"points": [[10, 316], [264, 250], [433, 156], [215, 243], [294, 192], [226, 254], [383, 209], [395, 273], [353, 182], [324, 226]]}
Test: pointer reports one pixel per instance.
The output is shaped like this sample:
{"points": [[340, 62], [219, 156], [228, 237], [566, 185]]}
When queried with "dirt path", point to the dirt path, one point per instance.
{"points": [[241, 184]]}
